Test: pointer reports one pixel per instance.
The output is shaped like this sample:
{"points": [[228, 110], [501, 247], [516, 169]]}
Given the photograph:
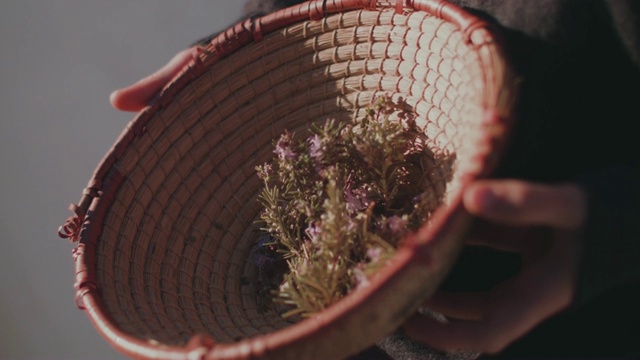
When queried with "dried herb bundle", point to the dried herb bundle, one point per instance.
{"points": [[337, 204]]}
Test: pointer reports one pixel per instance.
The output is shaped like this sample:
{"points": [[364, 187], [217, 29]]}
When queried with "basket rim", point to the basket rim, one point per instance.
{"points": [[86, 223]]}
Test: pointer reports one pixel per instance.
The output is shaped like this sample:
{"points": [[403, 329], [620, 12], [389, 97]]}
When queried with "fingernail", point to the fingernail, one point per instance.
{"points": [[112, 98]]}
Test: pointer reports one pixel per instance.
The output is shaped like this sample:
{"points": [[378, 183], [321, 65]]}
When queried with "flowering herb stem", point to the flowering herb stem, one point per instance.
{"points": [[338, 204]]}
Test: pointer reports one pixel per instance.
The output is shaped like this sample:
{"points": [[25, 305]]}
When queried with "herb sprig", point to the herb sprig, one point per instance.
{"points": [[338, 204]]}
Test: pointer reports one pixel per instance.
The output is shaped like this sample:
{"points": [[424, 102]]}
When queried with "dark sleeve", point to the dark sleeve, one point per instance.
{"points": [[253, 8], [611, 250], [610, 256]]}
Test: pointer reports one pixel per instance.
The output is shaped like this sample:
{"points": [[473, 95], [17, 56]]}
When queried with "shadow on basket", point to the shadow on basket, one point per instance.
{"points": [[167, 222]]}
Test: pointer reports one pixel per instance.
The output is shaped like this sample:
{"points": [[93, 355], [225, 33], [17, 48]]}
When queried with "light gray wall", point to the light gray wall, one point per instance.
{"points": [[59, 60]]}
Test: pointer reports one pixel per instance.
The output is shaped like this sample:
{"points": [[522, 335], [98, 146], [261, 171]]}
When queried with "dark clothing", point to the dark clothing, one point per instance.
{"points": [[580, 65]]}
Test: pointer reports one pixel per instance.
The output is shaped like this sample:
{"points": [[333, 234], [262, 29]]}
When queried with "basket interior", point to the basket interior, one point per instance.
{"points": [[173, 255]]}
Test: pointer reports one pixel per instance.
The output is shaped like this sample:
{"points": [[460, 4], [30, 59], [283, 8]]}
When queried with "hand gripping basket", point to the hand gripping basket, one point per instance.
{"points": [[167, 222]]}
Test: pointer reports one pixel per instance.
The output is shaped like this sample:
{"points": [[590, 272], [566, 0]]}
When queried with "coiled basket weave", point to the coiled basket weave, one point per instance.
{"points": [[167, 222]]}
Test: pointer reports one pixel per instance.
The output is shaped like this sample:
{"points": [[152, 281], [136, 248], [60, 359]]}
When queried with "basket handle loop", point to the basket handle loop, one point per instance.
{"points": [[71, 227]]}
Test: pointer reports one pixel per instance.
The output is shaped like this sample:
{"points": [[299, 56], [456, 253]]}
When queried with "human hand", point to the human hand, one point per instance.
{"points": [[543, 223], [137, 96]]}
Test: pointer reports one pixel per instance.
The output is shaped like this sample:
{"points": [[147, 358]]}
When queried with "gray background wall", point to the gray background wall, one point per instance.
{"points": [[59, 61]]}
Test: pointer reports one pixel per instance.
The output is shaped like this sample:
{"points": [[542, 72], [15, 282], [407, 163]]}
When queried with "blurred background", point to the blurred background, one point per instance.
{"points": [[60, 60]]}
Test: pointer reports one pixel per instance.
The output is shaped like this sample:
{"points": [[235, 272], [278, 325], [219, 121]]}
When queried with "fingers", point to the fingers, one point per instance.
{"points": [[520, 311], [459, 305], [517, 239], [137, 96], [505, 314], [456, 335], [513, 202], [517, 216]]}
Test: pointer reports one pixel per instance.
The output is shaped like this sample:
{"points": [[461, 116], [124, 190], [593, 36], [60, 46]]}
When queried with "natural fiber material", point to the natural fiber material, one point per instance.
{"points": [[167, 222]]}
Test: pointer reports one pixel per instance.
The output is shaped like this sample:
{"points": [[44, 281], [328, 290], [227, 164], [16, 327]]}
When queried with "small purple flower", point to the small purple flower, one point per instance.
{"points": [[284, 152], [264, 171], [353, 202], [359, 278], [313, 232], [283, 147], [374, 254], [396, 224], [315, 146], [352, 225]]}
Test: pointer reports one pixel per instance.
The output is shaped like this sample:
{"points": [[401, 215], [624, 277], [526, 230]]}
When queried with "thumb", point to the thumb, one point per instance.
{"points": [[514, 202], [137, 96]]}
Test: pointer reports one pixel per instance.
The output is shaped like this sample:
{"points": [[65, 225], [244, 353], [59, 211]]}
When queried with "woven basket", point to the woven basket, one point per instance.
{"points": [[167, 222]]}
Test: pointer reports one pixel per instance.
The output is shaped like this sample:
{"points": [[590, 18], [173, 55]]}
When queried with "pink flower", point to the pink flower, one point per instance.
{"points": [[374, 254], [397, 224], [358, 277], [313, 231], [264, 171], [315, 146], [283, 147]]}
